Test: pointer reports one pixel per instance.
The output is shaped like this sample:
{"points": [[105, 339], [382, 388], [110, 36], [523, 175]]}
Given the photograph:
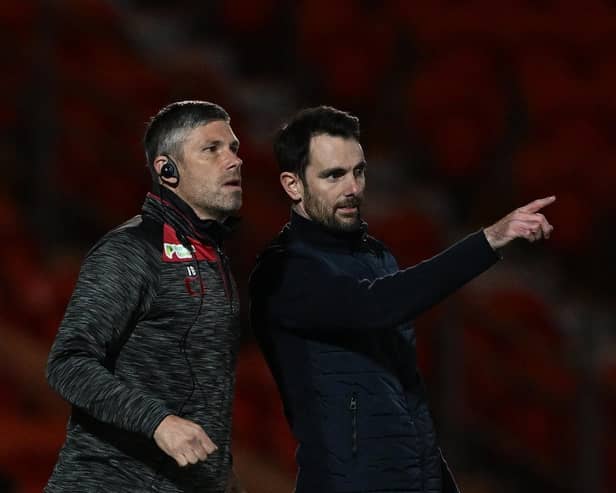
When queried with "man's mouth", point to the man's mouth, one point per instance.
{"points": [[234, 183], [351, 208]]}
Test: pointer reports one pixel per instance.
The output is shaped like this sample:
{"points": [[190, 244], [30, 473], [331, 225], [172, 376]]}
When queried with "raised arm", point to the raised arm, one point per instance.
{"points": [[302, 294]]}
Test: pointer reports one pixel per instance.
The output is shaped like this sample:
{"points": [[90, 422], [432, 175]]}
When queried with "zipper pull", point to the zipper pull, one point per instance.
{"points": [[353, 403], [353, 408], [223, 267]]}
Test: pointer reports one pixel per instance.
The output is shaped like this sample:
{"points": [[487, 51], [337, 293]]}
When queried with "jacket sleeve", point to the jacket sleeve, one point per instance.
{"points": [[302, 295], [114, 288]]}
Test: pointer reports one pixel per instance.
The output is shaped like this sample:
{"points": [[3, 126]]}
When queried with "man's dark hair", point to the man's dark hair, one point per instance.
{"points": [[168, 128], [292, 141]]}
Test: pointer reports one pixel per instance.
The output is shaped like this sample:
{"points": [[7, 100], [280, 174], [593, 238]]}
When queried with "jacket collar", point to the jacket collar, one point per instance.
{"points": [[317, 234], [168, 208]]}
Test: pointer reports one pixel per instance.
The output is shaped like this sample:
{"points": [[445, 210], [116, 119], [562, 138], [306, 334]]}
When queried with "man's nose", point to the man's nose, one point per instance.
{"points": [[352, 187], [233, 160]]}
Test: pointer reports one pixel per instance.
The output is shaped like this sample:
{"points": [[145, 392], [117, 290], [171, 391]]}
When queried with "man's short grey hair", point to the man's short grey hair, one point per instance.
{"points": [[167, 130]]}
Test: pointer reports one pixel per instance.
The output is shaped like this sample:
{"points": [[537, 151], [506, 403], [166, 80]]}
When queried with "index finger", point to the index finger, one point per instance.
{"points": [[538, 204]]}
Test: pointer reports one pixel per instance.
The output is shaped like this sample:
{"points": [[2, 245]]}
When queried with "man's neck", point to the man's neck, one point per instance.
{"points": [[201, 213]]}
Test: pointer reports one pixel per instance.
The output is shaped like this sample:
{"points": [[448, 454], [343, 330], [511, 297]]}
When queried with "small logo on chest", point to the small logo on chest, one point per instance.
{"points": [[194, 284], [178, 251]]}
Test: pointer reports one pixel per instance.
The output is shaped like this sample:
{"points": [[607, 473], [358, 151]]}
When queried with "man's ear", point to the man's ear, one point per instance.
{"points": [[158, 163], [293, 185]]}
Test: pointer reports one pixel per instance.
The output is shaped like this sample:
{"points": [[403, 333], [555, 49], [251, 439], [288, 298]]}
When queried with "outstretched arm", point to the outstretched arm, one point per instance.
{"points": [[304, 295]]}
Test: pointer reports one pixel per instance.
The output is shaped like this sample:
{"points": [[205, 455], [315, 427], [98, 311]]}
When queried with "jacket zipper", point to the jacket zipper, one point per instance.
{"points": [[422, 457], [224, 273], [353, 409]]}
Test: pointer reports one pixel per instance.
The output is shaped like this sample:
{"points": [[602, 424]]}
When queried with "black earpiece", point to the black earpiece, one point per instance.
{"points": [[170, 170]]}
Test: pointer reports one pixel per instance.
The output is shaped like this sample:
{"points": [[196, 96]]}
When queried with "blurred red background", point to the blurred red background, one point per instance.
{"points": [[468, 110]]}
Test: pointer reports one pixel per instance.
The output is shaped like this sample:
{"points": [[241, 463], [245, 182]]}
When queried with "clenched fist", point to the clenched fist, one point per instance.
{"points": [[524, 222], [183, 440]]}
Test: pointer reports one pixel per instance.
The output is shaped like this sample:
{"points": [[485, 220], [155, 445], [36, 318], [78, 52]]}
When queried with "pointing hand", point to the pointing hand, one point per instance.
{"points": [[524, 222]]}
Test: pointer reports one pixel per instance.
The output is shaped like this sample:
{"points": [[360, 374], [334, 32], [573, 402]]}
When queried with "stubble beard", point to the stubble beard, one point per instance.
{"points": [[220, 204], [319, 212]]}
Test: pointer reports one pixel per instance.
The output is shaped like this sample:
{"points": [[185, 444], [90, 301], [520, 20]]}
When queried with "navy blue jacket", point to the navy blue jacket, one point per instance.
{"points": [[332, 312]]}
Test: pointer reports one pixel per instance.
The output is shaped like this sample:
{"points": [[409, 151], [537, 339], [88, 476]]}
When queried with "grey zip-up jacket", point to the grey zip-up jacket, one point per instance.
{"points": [[151, 330]]}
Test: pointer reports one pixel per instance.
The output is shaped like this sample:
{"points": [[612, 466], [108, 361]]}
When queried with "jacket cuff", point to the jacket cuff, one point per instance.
{"points": [[492, 255], [154, 419]]}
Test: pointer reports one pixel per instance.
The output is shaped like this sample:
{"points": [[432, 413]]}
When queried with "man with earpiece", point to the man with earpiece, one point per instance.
{"points": [[146, 351]]}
